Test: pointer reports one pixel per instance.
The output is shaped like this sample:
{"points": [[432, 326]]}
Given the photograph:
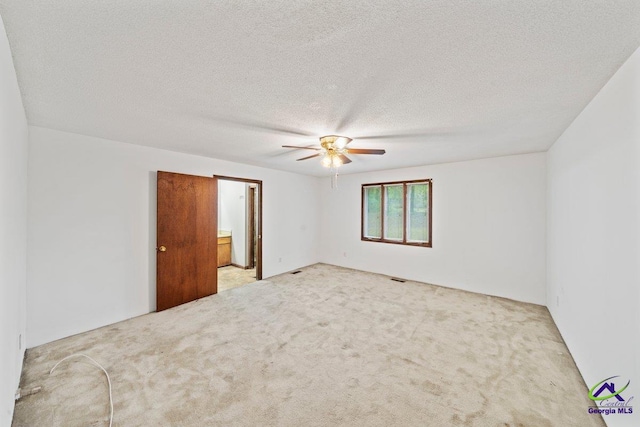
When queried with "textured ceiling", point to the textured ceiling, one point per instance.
{"points": [[429, 81]]}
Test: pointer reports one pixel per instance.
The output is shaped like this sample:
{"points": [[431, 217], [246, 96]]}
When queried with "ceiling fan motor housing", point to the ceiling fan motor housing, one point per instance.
{"points": [[334, 142]]}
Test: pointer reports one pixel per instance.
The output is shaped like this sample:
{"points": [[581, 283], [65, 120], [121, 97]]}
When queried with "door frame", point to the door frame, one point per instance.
{"points": [[259, 244], [252, 232]]}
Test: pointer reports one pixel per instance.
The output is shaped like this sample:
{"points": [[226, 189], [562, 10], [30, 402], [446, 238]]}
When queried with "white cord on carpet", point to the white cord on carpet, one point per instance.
{"points": [[103, 370]]}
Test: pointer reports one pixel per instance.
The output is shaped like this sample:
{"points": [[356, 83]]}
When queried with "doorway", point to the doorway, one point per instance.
{"points": [[239, 231]]}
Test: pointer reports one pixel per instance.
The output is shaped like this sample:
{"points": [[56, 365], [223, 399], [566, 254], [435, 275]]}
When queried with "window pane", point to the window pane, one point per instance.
{"points": [[418, 212], [393, 206], [372, 226]]}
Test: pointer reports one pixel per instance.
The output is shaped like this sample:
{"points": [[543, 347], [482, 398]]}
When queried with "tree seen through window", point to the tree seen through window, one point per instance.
{"points": [[397, 212]]}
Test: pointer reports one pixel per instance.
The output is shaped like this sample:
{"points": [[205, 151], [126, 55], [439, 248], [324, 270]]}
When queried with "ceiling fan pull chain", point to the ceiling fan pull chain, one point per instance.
{"points": [[334, 179]]}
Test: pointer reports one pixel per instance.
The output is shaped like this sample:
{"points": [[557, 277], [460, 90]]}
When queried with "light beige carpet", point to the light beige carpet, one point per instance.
{"points": [[230, 277], [326, 347]]}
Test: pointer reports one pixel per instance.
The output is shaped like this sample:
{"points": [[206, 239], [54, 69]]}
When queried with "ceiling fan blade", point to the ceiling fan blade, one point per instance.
{"points": [[365, 151], [344, 159], [309, 157], [303, 148]]}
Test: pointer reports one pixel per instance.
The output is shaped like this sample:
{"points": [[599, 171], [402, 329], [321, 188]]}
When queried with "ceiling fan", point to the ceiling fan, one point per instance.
{"points": [[333, 149]]}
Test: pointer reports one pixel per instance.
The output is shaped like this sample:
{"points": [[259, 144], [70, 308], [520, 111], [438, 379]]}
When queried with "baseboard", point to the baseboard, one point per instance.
{"points": [[16, 380]]}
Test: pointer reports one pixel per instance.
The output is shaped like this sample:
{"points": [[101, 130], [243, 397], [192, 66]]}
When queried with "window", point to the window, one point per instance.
{"points": [[397, 212]]}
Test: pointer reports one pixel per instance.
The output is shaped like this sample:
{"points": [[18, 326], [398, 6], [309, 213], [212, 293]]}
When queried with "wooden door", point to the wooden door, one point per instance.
{"points": [[187, 232]]}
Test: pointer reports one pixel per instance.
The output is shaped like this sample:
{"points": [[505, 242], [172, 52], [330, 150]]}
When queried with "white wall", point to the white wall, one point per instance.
{"points": [[232, 216], [594, 235], [488, 227], [91, 239], [13, 230]]}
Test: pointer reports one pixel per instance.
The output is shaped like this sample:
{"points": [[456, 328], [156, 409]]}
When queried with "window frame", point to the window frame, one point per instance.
{"points": [[404, 184]]}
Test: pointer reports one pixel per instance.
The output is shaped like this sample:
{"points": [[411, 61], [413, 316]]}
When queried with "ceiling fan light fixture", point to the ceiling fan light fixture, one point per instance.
{"points": [[331, 160], [333, 151]]}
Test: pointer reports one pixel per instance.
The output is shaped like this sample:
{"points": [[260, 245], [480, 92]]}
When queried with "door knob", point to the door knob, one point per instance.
{"points": [[162, 248]]}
